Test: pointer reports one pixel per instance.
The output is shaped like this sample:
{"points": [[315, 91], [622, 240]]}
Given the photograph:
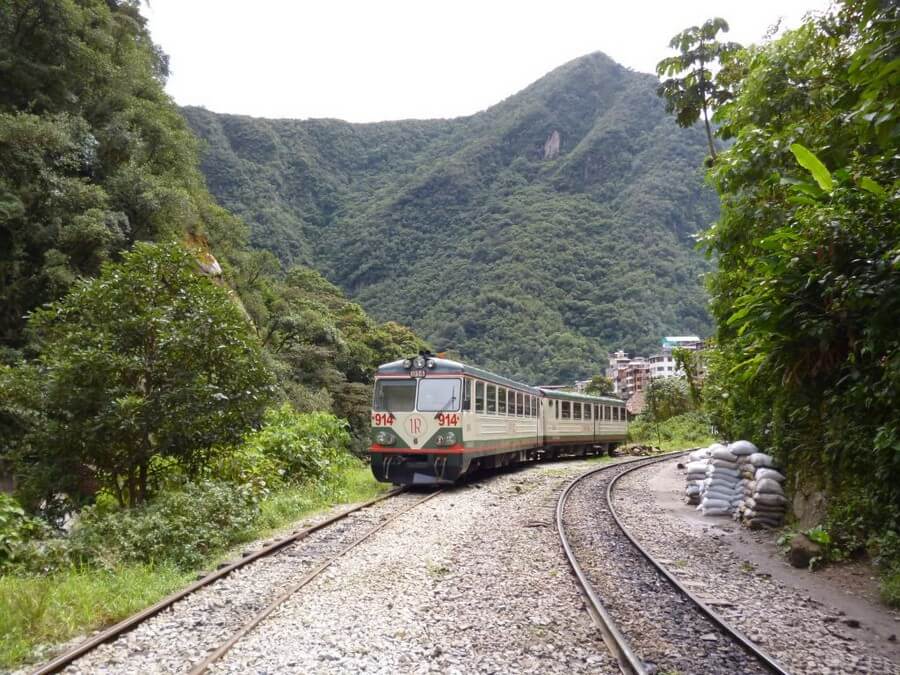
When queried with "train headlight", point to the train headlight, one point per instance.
{"points": [[430, 363], [384, 438], [419, 362], [439, 441], [407, 364], [450, 438]]}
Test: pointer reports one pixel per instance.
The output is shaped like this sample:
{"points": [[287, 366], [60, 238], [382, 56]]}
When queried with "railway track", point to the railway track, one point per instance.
{"points": [[648, 619], [337, 536]]}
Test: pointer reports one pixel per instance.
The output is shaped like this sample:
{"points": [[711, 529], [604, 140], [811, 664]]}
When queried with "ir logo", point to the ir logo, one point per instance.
{"points": [[414, 425]]}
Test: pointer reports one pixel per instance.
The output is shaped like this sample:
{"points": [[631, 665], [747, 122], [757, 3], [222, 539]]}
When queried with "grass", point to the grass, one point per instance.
{"points": [[37, 612], [890, 587]]}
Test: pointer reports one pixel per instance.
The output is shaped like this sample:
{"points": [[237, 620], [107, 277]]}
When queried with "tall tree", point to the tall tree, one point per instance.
{"points": [[151, 359], [691, 89]]}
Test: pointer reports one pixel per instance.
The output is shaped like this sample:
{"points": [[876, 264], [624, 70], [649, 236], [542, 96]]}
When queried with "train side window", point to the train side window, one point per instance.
{"points": [[520, 405], [529, 399], [501, 401], [467, 394], [566, 410], [479, 397], [621, 414], [596, 412], [616, 414], [576, 411], [491, 399], [556, 408], [607, 413], [511, 407], [587, 411]]}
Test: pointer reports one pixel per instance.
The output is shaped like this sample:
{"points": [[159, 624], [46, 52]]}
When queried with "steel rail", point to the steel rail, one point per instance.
{"points": [[111, 633], [261, 615], [629, 662], [767, 661]]}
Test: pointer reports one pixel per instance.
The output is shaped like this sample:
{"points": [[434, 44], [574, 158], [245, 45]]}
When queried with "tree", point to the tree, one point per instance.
{"points": [[696, 91], [599, 386], [667, 397], [149, 360], [688, 361], [807, 292]]}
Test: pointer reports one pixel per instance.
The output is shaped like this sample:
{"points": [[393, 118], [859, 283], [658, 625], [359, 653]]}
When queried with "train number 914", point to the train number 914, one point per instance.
{"points": [[448, 419], [383, 419]]}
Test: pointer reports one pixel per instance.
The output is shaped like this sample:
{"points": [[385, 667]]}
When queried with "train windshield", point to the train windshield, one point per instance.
{"points": [[439, 395], [394, 395]]}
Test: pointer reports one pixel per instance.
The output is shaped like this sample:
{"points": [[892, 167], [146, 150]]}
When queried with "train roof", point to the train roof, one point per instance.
{"points": [[449, 367], [575, 396]]}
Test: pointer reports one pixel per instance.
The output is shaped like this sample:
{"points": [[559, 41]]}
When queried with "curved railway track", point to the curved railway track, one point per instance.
{"points": [[649, 620], [71, 657]]}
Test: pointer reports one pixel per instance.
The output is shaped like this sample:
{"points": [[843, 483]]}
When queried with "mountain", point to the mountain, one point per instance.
{"points": [[529, 238]]}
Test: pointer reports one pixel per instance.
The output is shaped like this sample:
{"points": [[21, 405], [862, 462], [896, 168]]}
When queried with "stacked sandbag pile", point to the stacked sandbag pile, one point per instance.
{"points": [[767, 506], [698, 461], [721, 491], [746, 474]]}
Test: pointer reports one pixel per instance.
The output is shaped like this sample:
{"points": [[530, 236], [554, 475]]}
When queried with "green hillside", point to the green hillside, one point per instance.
{"points": [[472, 233]]}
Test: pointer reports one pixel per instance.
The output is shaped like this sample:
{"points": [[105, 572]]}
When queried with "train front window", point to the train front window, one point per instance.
{"points": [[394, 395], [439, 395]]}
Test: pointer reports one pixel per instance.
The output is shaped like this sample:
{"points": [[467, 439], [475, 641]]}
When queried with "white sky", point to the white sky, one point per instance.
{"points": [[366, 61]]}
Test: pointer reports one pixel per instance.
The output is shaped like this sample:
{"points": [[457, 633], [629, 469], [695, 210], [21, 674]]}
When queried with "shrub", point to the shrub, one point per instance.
{"points": [[18, 531], [182, 527], [307, 446]]}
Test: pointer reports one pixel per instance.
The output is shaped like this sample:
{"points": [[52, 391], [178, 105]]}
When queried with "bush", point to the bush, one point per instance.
{"points": [[182, 527], [307, 446], [687, 429], [18, 534]]}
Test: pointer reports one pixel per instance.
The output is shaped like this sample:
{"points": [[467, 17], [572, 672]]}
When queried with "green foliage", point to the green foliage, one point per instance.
{"points": [[150, 359], [95, 154], [667, 397], [599, 386], [807, 293], [698, 89], [688, 430], [16, 530], [180, 527], [306, 447], [463, 230], [40, 610]]}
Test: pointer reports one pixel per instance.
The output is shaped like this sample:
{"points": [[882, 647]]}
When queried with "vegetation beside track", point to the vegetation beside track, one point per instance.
{"points": [[76, 593]]}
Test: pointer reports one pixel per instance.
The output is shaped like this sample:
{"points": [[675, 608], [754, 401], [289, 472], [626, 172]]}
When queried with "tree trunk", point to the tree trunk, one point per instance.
{"points": [[142, 481], [709, 138]]}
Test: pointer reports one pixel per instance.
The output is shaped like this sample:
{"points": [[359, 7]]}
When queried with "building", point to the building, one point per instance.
{"points": [[663, 364], [632, 377]]}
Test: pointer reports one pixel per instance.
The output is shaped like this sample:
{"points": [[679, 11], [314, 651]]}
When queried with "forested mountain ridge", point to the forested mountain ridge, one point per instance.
{"points": [[529, 237]]}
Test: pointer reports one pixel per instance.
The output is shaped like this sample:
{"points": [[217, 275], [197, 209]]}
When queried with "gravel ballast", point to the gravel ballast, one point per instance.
{"points": [[473, 580], [804, 635], [663, 628]]}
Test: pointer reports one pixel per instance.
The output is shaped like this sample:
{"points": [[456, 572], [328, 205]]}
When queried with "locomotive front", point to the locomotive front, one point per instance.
{"points": [[417, 425]]}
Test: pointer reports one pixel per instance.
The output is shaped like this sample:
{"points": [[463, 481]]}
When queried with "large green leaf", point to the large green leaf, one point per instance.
{"points": [[814, 165]]}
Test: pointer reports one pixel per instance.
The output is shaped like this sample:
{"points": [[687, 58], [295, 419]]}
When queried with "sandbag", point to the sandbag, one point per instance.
{"points": [[715, 503], [767, 485], [717, 472], [697, 467], [742, 448], [770, 499], [759, 459], [772, 474], [696, 475], [718, 483], [715, 512], [723, 454], [718, 497], [723, 464]]}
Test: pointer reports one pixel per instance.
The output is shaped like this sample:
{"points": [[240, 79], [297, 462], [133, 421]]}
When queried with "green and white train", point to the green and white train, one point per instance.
{"points": [[435, 420]]}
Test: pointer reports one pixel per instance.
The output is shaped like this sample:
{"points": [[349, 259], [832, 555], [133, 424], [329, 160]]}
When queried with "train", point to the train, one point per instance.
{"points": [[435, 420]]}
